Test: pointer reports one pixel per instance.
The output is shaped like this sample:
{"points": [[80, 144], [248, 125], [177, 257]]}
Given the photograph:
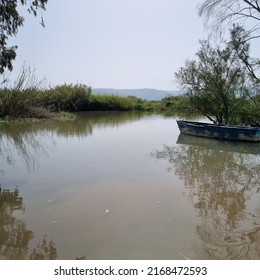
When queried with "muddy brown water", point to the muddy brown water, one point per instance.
{"points": [[126, 186]]}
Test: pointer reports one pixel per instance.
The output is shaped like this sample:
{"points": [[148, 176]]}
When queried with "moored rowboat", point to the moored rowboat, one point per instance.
{"points": [[228, 132]]}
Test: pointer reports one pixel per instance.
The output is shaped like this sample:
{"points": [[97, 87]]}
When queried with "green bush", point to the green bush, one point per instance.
{"points": [[113, 102], [180, 102], [246, 111], [20, 99], [65, 98], [17, 103]]}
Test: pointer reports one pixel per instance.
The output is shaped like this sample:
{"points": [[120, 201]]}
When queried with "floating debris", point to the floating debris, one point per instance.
{"points": [[183, 256]]}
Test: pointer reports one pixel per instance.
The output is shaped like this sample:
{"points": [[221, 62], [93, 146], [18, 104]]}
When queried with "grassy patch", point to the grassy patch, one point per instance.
{"points": [[27, 98], [65, 97], [113, 102]]}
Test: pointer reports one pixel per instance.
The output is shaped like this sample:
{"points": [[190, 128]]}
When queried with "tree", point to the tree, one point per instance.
{"points": [[222, 83], [213, 81], [10, 21], [217, 13], [246, 13], [239, 41], [250, 111]]}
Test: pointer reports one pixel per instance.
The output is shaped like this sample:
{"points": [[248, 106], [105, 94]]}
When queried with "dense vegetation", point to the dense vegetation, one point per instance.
{"points": [[11, 20], [23, 101], [221, 82], [26, 99]]}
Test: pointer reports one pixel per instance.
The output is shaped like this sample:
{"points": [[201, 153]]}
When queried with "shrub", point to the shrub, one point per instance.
{"points": [[113, 102], [180, 102], [20, 99], [65, 97]]}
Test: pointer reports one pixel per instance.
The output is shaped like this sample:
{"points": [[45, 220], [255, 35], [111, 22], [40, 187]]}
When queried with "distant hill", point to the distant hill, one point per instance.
{"points": [[144, 93]]}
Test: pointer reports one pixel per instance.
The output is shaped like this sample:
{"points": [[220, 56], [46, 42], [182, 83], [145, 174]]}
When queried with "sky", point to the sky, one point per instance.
{"points": [[110, 43]]}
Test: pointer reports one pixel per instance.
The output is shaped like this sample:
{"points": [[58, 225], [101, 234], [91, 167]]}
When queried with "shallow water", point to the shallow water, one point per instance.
{"points": [[126, 186]]}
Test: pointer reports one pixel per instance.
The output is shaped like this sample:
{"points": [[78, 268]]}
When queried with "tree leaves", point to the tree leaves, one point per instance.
{"points": [[215, 81], [10, 21]]}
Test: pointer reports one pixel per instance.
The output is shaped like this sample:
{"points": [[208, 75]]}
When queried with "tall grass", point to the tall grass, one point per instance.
{"points": [[27, 97], [65, 97], [180, 102], [113, 102], [20, 99]]}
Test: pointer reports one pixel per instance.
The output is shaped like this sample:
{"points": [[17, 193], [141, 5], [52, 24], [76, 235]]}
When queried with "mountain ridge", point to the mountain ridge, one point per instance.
{"points": [[149, 94]]}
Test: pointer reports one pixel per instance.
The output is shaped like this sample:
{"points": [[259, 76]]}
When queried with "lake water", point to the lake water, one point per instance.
{"points": [[126, 186]]}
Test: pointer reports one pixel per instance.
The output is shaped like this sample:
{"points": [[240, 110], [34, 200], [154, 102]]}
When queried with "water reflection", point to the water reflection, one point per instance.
{"points": [[14, 233], [90, 166], [30, 145], [26, 140], [223, 186], [220, 145], [21, 141], [86, 122]]}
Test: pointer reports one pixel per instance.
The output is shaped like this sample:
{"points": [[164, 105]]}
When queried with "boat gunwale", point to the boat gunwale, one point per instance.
{"points": [[237, 127]]}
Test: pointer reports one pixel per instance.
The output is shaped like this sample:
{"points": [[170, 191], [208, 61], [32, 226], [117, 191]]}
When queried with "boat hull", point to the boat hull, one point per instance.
{"points": [[238, 133]]}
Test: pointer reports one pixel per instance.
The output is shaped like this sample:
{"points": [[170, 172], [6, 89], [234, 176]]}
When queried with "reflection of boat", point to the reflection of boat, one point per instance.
{"points": [[227, 132], [216, 144]]}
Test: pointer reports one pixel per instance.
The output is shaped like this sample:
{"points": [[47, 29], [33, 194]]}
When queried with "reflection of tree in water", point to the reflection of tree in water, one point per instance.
{"points": [[14, 234], [220, 185], [26, 140], [21, 141]]}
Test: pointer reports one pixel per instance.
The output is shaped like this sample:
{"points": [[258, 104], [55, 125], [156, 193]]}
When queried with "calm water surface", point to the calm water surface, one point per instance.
{"points": [[126, 186]]}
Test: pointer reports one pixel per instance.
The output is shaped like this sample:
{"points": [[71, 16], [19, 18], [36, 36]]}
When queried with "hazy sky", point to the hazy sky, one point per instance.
{"points": [[111, 43]]}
